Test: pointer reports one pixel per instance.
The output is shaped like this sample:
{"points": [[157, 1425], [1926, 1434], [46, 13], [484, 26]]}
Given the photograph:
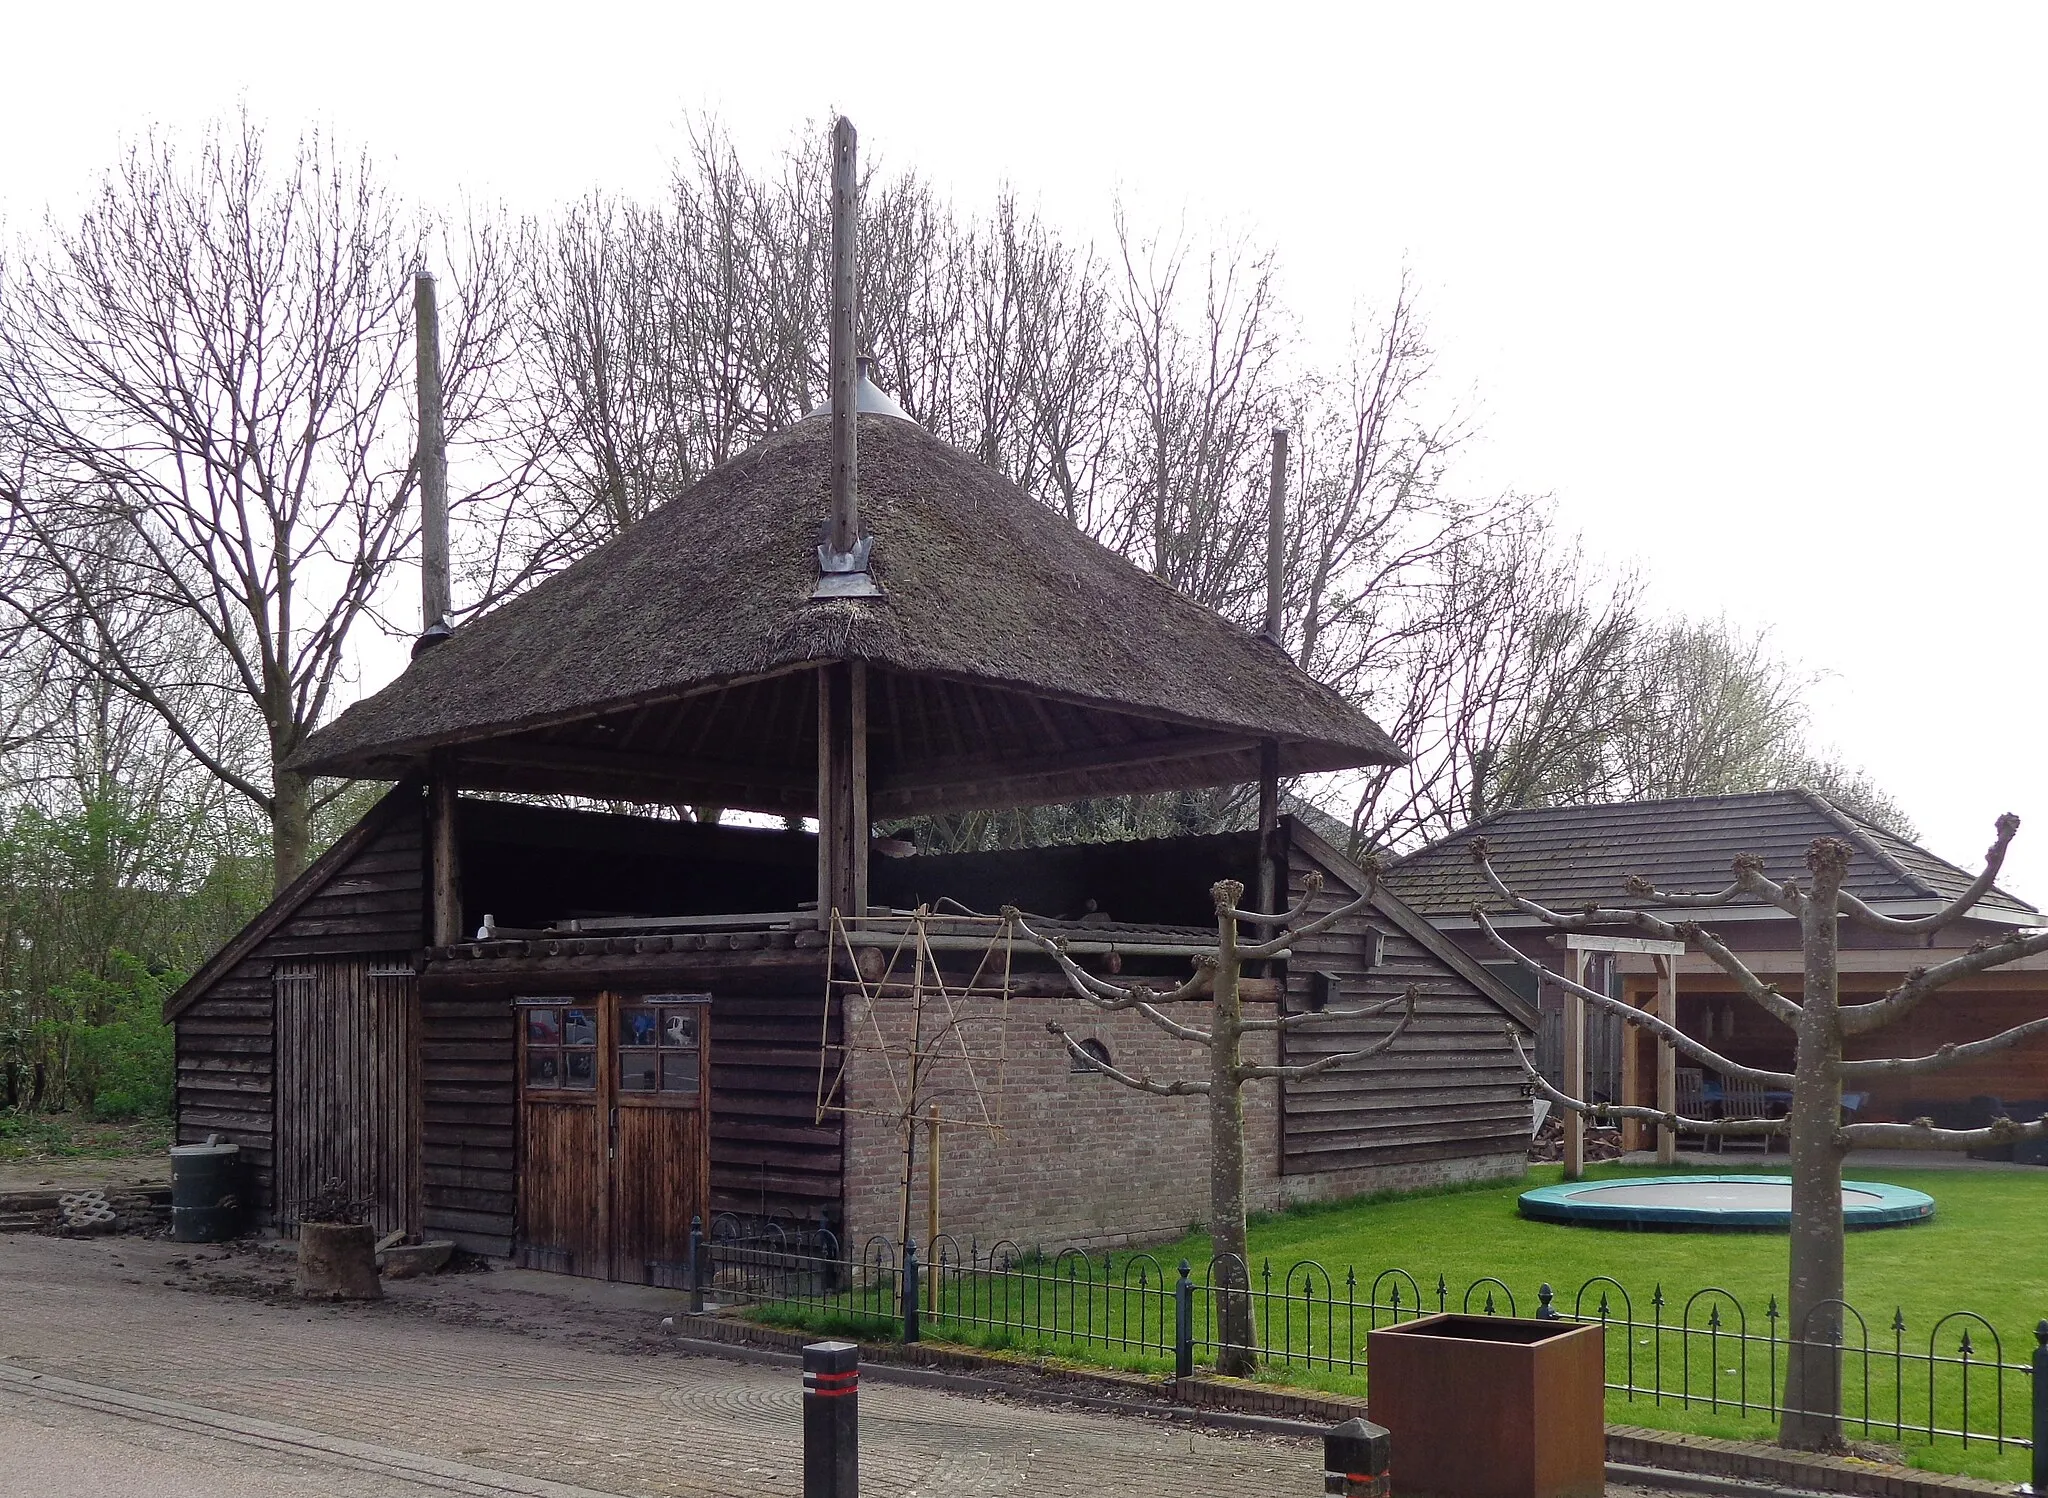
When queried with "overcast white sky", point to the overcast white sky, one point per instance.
{"points": [[1756, 291]]}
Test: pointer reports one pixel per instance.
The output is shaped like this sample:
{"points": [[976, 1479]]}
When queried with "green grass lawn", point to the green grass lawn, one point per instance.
{"points": [[1985, 1252]]}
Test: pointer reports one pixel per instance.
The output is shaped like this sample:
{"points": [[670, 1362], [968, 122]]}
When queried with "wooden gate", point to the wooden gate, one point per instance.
{"points": [[614, 1136], [347, 1085]]}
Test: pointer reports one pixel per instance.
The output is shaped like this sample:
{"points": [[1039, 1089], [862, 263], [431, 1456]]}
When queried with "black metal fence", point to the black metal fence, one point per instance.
{"points": [[1956, 1378]]}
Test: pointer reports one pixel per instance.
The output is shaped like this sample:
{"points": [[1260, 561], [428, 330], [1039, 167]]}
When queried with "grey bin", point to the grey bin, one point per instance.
{"points": [[206, 1191]]}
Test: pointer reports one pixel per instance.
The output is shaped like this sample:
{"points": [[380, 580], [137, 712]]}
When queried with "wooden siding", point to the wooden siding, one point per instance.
{"points": [[347, 1109], [769, 1152], [468, 1179], [371, 902], [1449, 1088], [227, 1075]]}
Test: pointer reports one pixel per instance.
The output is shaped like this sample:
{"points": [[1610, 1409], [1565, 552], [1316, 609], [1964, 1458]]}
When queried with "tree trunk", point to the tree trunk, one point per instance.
{"points": [[1230, 1268], [291, 825], [1813, 1368]]}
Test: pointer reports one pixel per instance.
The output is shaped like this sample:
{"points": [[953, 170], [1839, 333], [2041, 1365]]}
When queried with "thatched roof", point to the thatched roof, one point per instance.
{"points": [[1012, 660]]}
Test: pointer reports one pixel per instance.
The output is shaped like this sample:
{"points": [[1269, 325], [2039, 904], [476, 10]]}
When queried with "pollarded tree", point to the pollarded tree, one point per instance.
{"points": [[1822, 1026], [1217, 978]]}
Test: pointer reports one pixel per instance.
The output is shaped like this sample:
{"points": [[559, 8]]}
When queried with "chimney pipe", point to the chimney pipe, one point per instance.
{"points": [[1276, 535], [843, 556], [433, 466]]}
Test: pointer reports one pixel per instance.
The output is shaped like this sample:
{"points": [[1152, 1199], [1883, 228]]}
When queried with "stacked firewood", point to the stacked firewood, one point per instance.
{"points": [[1547, 1148]]}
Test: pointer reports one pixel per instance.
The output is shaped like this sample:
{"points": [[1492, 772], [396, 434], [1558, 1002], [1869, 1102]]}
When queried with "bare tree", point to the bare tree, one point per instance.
{"points": [[202, 398], [1822, 1025], [1217, 979]]}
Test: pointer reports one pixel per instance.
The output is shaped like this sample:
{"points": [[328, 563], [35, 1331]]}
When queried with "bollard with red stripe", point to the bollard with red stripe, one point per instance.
{"points": [[1356, 1456], [832, 1420]]}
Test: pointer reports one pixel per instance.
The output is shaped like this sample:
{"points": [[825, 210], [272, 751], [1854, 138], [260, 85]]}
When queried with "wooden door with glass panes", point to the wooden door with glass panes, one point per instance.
{"points": [[614, 1133], [661, 1164]]}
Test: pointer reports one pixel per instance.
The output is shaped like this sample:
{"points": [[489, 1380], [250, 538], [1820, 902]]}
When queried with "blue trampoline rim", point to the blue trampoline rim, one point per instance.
{"points": [[1897, 1206]]}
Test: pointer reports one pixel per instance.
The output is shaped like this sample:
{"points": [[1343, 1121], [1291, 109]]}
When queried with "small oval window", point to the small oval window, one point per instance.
{"points": [[1095, 1049]]}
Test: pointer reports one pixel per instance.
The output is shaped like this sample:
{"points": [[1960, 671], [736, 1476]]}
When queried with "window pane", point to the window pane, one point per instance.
{"points": [[582, 1071], [543, 1027], [579, 1027], [543, 1068], [636, 1071], [678, 1071], [638, 1026], [678, 1030]]}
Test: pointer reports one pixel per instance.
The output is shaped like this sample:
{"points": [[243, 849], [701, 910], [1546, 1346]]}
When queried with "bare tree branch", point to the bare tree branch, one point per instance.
{"points": [[1862, 1019], [1946, 1056], [1640, 1018], [1141, 1084], [1956, 909], [1253, 1073], [1602, 1112]]}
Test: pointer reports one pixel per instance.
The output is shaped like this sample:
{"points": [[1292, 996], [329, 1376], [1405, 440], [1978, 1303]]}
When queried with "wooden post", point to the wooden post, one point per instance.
{"points": [[1276, 535], [842, 790], [845, 370], [443, 873], [432, 458], [931, 1211], [1269, 827], [1667, 1058], [1575, 1072]]}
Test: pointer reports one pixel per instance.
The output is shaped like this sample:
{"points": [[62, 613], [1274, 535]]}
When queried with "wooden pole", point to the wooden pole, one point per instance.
{"points": [[1667, 1058], [842, 791], [845, 526], [1269, 825], [1276, 535], [931, 1209], [1575, 1072], [432, 457], [446, 903]]}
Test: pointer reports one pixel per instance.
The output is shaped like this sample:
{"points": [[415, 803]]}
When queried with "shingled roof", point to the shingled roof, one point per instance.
{"points": [[1569, 856], [1013, 659]]}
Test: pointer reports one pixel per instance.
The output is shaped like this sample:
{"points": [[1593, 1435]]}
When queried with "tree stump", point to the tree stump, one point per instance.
{"points": [[338, 1261]]}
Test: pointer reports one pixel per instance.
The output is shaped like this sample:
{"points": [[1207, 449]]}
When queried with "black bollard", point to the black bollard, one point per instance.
{"points": [[831, 1420], [1356, 1455]]}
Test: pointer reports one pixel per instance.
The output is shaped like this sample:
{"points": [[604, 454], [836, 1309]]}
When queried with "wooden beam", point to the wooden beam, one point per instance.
{"points": [[1579, 941], [843, 817], [1269, 787], [1575, 1072], [1667, 1059], [903, 787], [651, 769], [444, 875]]}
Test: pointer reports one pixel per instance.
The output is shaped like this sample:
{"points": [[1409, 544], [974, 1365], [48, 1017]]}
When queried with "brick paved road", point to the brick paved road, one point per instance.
{"points": [[571, 1407]]}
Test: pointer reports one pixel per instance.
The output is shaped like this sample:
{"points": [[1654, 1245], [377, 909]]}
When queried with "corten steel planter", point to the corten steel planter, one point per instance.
{"points": [[338, 1261], [1491, 1406]]}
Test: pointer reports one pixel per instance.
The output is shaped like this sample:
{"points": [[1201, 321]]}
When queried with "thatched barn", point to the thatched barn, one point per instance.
{"points": [[560, 1033]]}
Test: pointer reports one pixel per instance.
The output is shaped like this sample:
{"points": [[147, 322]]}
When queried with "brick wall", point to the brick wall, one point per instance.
{"points": [[1082, 1160]]}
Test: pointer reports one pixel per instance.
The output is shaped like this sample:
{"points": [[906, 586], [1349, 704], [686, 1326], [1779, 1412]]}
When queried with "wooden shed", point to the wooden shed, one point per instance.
{"points": [[560, 1034], [1567, 857]]}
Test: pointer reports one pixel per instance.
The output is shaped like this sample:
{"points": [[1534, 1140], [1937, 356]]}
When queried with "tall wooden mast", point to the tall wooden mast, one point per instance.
{"points": [[843, 574]]}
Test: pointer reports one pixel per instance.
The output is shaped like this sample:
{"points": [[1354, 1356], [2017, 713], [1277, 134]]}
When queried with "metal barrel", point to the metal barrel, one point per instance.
{"points": [[206, 1192]]}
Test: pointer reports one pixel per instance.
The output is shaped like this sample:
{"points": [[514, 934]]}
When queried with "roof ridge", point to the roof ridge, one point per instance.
{"points": [[1859, 833]]}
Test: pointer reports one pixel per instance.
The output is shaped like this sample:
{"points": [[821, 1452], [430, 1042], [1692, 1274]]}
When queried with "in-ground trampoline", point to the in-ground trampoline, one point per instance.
{"points": [[1715, 1202]]}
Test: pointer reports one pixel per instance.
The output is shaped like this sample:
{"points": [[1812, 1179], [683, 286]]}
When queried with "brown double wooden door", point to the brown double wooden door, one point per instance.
{"points": [[614, 1135]]}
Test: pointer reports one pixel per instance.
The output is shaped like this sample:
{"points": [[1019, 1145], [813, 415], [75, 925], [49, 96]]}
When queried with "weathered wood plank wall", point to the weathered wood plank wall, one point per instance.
{"points": [[227, 1039], [1449, 1088], [347, 1110]]}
